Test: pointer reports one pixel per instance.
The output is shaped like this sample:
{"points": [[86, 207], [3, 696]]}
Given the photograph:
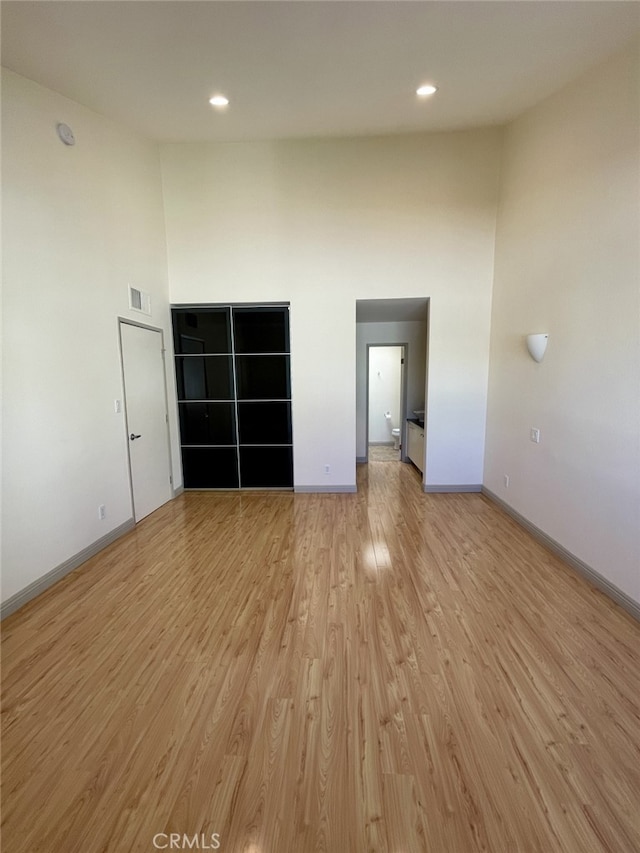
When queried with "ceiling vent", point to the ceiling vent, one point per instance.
{"points": [[139, 301]]}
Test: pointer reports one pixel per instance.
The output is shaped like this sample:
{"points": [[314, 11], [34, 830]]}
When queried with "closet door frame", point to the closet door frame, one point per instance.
{"points": [[236, 400]]}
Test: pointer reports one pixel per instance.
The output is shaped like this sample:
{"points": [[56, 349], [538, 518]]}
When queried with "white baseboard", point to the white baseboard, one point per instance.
{"points": [[625, 601], [312, 490], [178, 491], [20, 598], [443, 489]]}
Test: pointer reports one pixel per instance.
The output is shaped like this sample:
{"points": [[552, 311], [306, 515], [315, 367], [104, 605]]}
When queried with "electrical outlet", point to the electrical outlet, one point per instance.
{"points": [[506, 481], [117, 405], [102, 512], [535, 435], [327, 469]]}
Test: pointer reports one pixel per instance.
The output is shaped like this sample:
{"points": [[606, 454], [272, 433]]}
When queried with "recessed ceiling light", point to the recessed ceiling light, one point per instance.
{"points": [[425, 91], [218, 101]]}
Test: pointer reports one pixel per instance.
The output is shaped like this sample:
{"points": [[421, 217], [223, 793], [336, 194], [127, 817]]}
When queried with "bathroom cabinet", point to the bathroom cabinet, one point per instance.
{"points": [[415, 444], [234, 396]]}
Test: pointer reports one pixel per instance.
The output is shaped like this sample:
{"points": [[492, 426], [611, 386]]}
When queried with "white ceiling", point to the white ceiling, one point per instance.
{"points": [[298, 69]]}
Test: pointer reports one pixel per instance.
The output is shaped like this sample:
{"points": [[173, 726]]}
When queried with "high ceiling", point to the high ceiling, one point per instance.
{"points": [[299, 69]]}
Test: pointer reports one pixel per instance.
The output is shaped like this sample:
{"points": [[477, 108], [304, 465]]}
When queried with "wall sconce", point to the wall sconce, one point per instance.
{"points": [[537, 344]]}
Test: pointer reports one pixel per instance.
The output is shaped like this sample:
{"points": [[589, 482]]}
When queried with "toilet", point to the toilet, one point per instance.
{"points": [[395, 432]]}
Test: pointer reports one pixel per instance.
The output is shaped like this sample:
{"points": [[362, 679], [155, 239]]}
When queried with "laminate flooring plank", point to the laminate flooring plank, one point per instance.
{"points": [[376, 672]]}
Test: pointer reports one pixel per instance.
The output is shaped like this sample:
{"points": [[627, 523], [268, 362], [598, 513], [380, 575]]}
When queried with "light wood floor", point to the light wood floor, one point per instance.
{"points": [[387, 671], [383, 453]]}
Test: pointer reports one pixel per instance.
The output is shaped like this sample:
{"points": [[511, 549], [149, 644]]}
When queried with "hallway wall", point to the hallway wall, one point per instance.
{"points": [[79, 224], [568, 263]]}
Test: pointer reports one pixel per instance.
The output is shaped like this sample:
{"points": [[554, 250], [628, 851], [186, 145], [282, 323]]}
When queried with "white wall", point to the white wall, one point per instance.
{"points": [[385, 392], [414, 334], [79, 223], [567, 263], [322, 223]]}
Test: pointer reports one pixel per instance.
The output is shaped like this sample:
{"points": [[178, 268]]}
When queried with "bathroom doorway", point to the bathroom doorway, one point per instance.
{"points": [[385, 402]]}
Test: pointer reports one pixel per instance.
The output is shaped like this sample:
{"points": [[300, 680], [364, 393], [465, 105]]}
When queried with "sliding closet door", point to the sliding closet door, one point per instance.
{"points": [[234, 396], [263, 382], [206, 398]]}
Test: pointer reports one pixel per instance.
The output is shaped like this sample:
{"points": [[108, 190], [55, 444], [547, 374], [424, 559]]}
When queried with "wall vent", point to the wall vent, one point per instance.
{"points": [[139, 301]]}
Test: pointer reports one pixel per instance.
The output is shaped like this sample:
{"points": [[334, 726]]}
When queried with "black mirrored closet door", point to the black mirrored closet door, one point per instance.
{"points": [[234, 396]]}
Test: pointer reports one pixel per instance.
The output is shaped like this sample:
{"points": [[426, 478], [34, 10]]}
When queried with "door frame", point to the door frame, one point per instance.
{"points": [[403, 396], [128, 322]]}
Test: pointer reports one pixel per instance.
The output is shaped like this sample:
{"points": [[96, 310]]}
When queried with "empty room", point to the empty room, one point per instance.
{"points": [[320, 426]]}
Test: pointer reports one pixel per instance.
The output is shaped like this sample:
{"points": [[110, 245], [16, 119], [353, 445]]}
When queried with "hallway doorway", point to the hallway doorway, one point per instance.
{"points": [[385, 401]]}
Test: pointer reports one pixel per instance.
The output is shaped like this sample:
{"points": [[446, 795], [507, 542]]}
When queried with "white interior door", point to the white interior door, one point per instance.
{"points": [[146, 408]]}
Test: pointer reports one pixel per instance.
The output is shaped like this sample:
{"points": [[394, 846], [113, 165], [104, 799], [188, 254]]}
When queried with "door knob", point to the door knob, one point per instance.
{"points": [[133, 437]]}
